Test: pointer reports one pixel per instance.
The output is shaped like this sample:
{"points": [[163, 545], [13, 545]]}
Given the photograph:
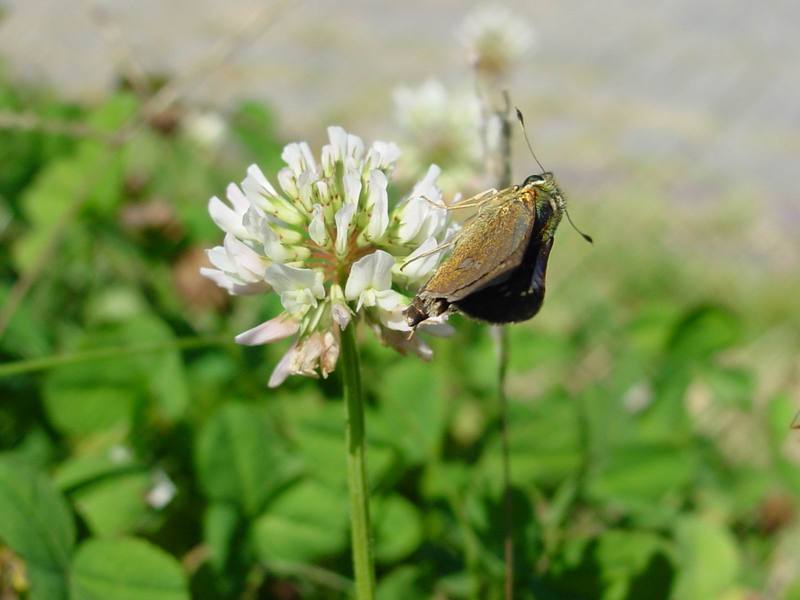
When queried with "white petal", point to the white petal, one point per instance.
{"points": [[373, 271], [378, 203], [416, 268], [248, 263], [352, 188], [218, 257], [412, 217], [338, 139], [394, 319], [355, 146], [284, 278], [278, 328], [343, 217], [382, 155], [437, 326], [233, 286], [257, 182], [316, 228], [226, 218], [283, 369], [299, 158], [237, 198], [287, 181]]}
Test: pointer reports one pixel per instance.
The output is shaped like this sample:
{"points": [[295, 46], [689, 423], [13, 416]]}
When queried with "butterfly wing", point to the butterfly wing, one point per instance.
{"points": [[517, 295], [490, 245]]}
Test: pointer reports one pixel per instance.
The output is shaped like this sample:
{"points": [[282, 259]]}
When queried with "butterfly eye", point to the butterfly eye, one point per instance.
{"points": [[532, 180]]}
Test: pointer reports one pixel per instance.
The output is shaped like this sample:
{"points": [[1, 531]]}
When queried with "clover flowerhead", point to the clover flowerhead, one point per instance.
{"points": [[331, 244]]}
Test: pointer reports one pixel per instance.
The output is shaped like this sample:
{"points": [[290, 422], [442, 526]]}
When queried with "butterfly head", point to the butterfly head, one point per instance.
{"points": [[546, 182]]}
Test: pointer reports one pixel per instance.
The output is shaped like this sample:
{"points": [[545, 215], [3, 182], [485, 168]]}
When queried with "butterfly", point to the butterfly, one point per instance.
{"points": [[496, 270]]}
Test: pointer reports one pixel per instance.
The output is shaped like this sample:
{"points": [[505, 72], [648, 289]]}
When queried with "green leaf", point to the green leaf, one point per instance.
{"points": [[36, 524], [641, 476], [114, 505], [732, 387], [544, 440], [622, 556], [411, 411], [398, 528], [108, 494], [308, 521], [401, 584], [703, 332], [94, 396], [241, 459], [125, 569], [707, 559], [317, 429], [220, 524], [80, 410]]}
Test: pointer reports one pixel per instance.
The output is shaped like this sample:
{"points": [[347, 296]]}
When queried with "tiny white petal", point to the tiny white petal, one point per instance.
{"points": [[283, 369], [287, 181], [162, 492], [299, 158], [383, 155], [338, 139], [284, 278], [419, 264], [257, 182], [355, 146], [233, 286], [227, 219], [275, 329], [316, 228], [437, 326], [352, 188], [249, 264], [378, 203], [343, 218], [237, 198]]}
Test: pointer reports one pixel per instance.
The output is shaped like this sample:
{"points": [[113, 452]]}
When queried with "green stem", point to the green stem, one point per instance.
{"points": [[508, 541], [363, 567], [57, 360]]}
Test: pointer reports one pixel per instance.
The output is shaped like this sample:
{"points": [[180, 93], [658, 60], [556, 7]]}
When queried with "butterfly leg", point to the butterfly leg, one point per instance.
{"points": [[428, 253]]}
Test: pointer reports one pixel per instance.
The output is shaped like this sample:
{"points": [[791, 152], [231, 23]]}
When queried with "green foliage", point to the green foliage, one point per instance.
{"points": [[651, 454]]}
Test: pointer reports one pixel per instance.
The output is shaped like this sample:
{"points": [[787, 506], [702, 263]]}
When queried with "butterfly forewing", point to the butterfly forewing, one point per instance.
{"points": [[491, 243]]}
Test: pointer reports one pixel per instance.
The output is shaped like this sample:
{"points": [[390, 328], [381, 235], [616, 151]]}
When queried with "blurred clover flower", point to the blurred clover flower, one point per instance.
{"points": [[330, 246], [494, 38], [439, 128]]}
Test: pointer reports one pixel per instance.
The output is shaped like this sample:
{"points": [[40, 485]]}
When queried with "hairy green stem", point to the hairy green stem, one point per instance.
{"points": [[363, 567]]}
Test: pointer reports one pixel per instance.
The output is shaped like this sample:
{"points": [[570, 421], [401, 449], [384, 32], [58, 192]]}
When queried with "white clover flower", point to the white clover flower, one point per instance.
{"points": [[495, 37], [331, 244], [206, 128], [441, 128]]}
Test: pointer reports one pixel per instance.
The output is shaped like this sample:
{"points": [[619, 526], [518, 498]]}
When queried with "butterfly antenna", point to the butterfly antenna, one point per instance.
{"points": [[585, 236], [521, 120]]}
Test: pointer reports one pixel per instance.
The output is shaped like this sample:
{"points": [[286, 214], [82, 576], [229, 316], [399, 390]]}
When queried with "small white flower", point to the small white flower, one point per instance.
{"points": [[494, 38], [206, 128], [162, 491], [329, 243], [442, 128], [239, 269], [299, 289], [370, 283]]}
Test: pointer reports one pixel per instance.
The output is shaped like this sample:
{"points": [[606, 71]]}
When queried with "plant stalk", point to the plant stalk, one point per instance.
{"points": [[363, 567]]}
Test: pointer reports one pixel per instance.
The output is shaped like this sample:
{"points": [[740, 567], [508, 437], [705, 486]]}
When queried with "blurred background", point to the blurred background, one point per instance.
{"points": [[651, 398]]}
